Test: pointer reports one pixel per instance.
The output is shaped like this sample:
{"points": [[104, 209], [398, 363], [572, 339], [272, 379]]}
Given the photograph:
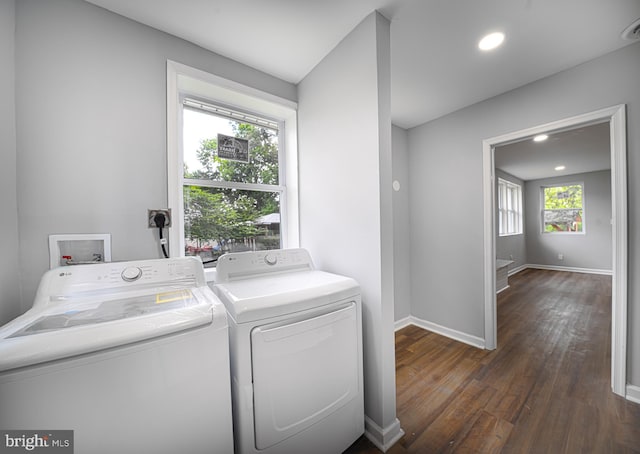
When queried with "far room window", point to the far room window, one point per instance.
{"points": [[563, 209], [509, 208]]}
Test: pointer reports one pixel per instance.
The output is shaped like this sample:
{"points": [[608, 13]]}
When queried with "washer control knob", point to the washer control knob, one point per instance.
{"points": [[270, 259], [131, 273]]}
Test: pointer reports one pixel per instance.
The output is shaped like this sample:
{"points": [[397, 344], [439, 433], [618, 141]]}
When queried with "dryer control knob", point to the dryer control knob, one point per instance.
{"points": [[270, 259], [131, 273]]}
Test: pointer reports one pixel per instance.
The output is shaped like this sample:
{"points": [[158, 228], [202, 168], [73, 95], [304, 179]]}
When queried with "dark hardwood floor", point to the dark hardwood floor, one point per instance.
{"points": [[545, 389]]}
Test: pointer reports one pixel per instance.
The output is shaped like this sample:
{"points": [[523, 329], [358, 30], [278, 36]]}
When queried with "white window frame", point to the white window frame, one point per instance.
{"points": [[509, 205], [183, 80], [542, 209]]}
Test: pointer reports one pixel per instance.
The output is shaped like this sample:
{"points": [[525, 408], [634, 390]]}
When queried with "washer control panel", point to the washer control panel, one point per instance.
{"points": [[242, 265], [180, 272]]}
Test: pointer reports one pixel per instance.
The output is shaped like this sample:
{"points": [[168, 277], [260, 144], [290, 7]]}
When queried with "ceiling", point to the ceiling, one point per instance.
{"points": [[435, 65], [580, 150]]}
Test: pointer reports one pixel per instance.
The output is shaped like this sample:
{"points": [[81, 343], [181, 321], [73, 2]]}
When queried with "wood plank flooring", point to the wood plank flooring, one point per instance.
{"points": [[545, 389]]}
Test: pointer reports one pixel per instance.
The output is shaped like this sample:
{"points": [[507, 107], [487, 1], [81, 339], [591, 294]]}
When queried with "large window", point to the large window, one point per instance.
{"points": [[232, 164], [231, 180], [509, 208], [563, 209]]}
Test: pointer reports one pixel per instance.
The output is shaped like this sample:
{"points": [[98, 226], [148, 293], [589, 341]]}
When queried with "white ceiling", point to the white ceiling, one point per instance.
{"points": [[436, 67], [580, 150]]}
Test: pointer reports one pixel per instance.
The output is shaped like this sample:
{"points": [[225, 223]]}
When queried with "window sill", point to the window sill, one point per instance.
{"points": [[563, 233]]}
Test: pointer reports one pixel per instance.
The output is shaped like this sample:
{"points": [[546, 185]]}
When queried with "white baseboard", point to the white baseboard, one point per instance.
{"points": [[570, 269], [383, 439], [399, 324], [633, 393], [517, 270], [442, 330]]}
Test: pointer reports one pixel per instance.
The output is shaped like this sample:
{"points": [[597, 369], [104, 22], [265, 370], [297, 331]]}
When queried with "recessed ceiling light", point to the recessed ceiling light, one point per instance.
{"points": [[540, 138], [491, 41], [560, 168]]}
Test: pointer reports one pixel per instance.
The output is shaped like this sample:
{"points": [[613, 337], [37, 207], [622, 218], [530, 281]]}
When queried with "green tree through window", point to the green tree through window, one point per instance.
{"points": [[563, 208]]}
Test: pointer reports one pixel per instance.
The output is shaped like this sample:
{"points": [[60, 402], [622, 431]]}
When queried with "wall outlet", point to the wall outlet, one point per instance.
{"points": [[151, 216], [560, 256]]}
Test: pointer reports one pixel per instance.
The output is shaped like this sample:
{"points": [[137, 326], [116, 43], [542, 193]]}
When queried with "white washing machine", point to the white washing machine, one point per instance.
{"points": [[131, 356], [296, 353]]}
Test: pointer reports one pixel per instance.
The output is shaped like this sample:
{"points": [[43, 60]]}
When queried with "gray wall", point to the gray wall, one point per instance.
{"points": [[446, 221], [10, 257], [512, 247], [401, 242], [91, 127], [345, 190], [591, 250], [446, 187]]}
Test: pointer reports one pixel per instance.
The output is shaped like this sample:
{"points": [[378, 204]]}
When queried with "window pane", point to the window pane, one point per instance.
{"points": [[563, 197], [220, 220], [569, 220], [201, 153], [509, 208], [563, 209]]}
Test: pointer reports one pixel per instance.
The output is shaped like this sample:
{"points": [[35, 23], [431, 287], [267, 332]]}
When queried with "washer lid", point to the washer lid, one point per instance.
{"points": [[71, 313], [263, 297], [37, 337]]}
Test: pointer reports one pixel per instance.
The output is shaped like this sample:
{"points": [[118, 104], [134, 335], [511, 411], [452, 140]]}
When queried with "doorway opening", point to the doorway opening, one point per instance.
{"points": [[616, 118]]}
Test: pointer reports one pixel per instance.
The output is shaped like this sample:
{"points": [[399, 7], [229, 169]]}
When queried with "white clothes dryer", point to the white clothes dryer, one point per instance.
{"points": [[132, 357], [296, 353]]}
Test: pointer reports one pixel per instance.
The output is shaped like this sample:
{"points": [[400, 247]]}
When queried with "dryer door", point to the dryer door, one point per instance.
{"points": [[302, 372]]}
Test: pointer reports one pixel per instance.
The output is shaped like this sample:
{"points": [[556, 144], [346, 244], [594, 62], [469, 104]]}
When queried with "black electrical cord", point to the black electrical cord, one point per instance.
{"points": [[209, 262], [160, 220]]}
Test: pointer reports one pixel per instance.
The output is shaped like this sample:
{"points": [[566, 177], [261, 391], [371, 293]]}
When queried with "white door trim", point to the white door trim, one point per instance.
{"points": [[616, 116]]}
